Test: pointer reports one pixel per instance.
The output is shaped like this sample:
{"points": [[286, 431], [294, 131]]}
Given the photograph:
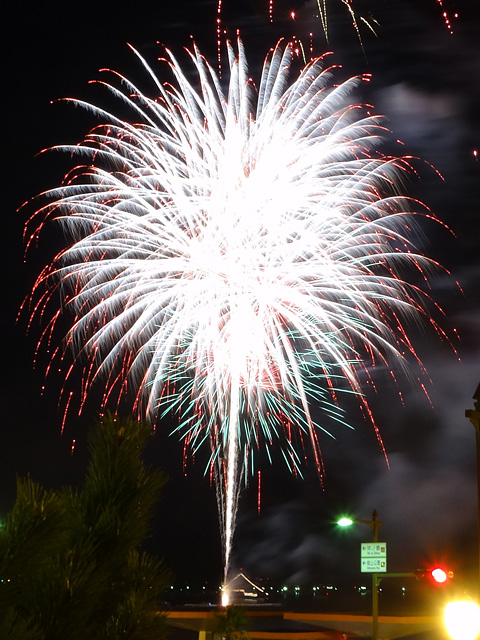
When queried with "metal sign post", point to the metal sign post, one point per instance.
{"points": [[373, 559]]}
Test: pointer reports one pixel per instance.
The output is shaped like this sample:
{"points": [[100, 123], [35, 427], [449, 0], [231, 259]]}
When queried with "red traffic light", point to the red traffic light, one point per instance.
{"points": [[439, 575]]}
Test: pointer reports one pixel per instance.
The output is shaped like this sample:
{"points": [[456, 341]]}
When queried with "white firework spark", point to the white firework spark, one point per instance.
{"points": [[233, 255]]}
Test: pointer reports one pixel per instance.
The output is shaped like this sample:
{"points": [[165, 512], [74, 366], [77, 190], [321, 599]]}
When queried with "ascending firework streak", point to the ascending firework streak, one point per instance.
{"points": [[235, 257]]}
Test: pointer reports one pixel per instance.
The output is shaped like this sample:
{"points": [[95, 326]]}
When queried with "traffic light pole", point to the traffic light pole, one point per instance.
{"points": [[375, 525], [376, 580]]}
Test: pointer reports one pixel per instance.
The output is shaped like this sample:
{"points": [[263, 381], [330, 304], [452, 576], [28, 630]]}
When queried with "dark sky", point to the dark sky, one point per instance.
{"points": [[427, 82]]}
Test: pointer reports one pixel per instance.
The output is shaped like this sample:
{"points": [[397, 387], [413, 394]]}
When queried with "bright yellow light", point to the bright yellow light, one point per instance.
{"points": [[345, 522], [225, 599], [462, 620]]}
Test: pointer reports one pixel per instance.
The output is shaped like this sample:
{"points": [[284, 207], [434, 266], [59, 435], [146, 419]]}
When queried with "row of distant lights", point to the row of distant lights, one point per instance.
{"points": [[284, 589], [362, 590]]}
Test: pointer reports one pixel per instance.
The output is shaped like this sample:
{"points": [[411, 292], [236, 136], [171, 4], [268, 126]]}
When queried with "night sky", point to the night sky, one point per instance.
{"points": [[426, 81]]}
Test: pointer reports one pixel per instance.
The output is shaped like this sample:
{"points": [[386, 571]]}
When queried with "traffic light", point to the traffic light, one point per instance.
{"points": [[440, 575], [437, 575]]}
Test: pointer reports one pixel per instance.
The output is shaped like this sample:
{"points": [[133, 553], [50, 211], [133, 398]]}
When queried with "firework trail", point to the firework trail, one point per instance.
{"points": [[234, 258], [322, 15], [321, 10]]}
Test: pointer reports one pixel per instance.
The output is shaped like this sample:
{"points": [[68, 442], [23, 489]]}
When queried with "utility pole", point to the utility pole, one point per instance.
{"points": [[375, 524]]}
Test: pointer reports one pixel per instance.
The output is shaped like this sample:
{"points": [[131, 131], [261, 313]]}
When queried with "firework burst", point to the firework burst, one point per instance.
{"points": [[234, 257]]}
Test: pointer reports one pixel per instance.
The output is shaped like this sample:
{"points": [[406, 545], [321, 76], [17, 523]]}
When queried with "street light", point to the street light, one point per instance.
{"points": [[374, 523], [345, 521], [474, 416]]}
